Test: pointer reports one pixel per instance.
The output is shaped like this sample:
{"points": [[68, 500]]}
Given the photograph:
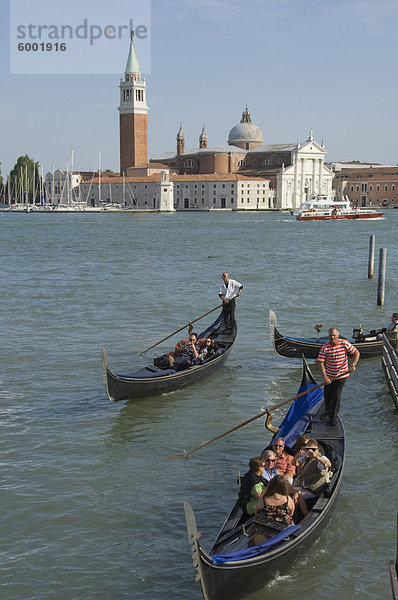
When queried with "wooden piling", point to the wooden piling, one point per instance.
{"points": [[371, 262], [382, 276]]}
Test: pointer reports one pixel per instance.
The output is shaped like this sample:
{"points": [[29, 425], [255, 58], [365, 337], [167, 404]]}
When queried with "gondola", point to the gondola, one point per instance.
{"points": [[233, 568], [389, 362], [153, 379], [368, 345]]}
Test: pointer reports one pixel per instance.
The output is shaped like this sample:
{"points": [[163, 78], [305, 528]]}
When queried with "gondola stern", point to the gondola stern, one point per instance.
{"points": [[105, 373], [272, 324], [196, 548]]}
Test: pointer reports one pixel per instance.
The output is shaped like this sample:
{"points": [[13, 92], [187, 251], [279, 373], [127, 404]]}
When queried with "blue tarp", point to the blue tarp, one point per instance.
{"points": [[219, 559], [294, 424]]}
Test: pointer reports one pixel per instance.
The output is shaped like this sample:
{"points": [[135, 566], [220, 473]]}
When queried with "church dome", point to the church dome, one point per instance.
{"points": [[245, 132]]}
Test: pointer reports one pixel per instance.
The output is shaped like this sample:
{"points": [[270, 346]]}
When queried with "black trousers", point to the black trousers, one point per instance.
{"points": [[229, 313], [332, 393]]}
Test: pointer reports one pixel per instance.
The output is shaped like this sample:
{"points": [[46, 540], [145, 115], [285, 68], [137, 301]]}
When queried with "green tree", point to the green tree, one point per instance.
{"points": [[24, 179]]}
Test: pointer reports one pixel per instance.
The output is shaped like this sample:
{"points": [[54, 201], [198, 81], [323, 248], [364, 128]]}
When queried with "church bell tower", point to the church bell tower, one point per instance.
{"points": [[133, 111]]}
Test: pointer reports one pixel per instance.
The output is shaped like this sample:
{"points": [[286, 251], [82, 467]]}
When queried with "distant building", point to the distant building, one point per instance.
{"points": [[295, 171], [62, 187], [133, 111], [290, 172], [366, 184], [162, 191]]}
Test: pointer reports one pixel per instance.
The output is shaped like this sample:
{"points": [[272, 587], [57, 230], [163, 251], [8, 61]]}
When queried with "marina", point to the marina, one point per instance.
{"points": [[87, 516]]}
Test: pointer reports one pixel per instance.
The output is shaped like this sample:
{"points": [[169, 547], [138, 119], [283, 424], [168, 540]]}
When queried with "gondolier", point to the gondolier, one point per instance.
{"points": [[228, 291], [333, 361]]}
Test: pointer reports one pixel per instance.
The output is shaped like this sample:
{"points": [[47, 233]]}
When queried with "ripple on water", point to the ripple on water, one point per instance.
{"points": [[92, 503]]}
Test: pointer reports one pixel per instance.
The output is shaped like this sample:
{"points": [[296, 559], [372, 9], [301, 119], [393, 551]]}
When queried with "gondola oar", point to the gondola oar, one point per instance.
{"points": [[181, 328], [261, 414]]}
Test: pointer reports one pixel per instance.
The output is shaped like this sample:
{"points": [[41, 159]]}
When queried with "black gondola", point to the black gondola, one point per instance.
{"points": [[152, 379], [389, 362], [233, 569], [368, 345]]}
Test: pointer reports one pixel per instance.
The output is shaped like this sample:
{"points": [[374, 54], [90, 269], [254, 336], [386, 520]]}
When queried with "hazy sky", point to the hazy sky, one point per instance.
{"points": [[328, 65]]}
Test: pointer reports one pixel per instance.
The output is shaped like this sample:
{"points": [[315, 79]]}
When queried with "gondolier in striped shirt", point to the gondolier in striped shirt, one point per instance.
{"points": [[333, 361]]}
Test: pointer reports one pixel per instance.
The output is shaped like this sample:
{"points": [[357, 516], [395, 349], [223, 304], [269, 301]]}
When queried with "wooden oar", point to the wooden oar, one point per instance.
{"points": [[181, 328], [261, 414]]}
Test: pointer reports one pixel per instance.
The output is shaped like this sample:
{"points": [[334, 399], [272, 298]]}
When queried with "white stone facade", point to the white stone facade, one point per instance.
{"points": [[237, 194], [167, 191], [62, 187], [306, 176]]}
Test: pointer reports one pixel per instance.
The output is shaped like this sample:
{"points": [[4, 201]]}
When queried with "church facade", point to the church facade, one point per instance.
{"points": [[295, 171]]}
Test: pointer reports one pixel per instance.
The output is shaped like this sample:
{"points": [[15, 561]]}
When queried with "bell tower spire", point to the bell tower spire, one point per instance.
{"points": [[133, 111]]}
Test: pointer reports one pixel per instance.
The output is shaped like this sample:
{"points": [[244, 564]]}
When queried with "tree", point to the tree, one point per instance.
{"points": [[24, 179]]}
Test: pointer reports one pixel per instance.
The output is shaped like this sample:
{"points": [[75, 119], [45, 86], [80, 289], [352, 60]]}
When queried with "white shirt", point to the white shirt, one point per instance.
{"points": [[230, 291]]}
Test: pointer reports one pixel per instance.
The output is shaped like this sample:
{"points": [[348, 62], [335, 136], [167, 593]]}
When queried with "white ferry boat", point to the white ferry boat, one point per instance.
{"points": [[323, 208]]}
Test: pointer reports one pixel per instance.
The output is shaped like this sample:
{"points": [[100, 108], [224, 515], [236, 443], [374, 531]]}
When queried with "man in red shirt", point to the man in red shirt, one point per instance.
{"points": [[333, 361], [283, 460]]}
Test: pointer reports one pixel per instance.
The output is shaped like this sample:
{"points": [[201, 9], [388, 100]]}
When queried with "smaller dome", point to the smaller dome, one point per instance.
{"points": [[245, 131]]}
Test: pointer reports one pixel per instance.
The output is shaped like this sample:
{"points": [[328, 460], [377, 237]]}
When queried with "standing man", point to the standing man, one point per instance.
{"points": [[333, 361], [229, 290]]}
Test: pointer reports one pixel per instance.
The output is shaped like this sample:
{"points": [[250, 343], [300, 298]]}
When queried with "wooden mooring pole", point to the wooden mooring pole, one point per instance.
{"points": [[382, 276], [371, 263]]}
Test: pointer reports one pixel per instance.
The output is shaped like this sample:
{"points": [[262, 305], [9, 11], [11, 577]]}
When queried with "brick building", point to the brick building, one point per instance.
{"points": [[367, 184]]}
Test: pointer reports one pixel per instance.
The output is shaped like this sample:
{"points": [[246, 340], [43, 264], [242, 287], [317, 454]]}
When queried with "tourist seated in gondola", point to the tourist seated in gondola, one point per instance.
{"points": [[252, 486], [273, 510], [187, 353], [312, 470], [283, 459], [208, 349], [270, 470]]}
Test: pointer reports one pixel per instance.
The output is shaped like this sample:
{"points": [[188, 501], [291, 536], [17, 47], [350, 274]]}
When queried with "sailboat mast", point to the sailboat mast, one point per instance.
{"points": [[99, 177]]}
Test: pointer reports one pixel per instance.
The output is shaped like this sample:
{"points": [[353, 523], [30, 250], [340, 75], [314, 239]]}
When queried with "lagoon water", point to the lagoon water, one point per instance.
{"points": [[91, 506]]}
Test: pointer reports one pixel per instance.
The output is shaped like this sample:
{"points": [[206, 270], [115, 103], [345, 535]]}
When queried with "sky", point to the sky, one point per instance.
{"points": [[325, 65]]}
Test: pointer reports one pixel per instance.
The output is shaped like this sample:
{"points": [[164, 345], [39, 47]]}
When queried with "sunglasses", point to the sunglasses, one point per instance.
{"points": [[270, 459]]}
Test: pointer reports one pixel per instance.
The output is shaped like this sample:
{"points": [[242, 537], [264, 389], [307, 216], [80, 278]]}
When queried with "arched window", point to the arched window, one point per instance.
{"points": [[241, 163], [189, 163]]}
